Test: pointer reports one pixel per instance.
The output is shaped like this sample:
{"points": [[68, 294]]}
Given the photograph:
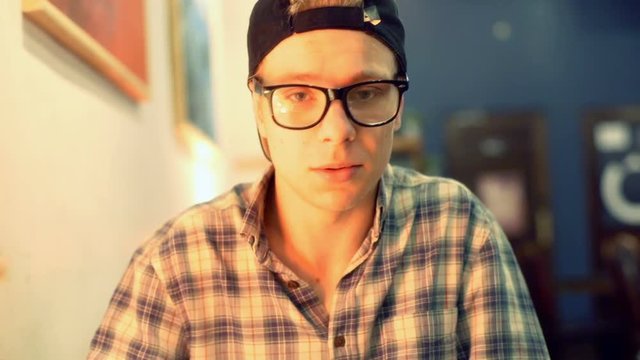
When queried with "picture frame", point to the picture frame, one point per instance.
{"points": [[192, 79], [109, 35], [612, 149]]}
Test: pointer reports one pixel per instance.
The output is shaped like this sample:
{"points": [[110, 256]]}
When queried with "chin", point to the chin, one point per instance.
{"points": [[336, 202]]}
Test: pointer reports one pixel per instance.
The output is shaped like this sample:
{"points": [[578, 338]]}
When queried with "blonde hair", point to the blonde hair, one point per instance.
{"points": [[298, 6]]}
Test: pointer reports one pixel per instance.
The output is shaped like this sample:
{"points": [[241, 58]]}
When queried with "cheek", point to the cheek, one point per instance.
{"points": [[285, 144], [262, 116], [380, 142], [287, 157]]}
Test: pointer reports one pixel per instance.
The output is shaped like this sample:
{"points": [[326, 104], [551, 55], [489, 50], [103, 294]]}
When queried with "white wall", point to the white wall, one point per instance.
{"points": [[86, 174]]}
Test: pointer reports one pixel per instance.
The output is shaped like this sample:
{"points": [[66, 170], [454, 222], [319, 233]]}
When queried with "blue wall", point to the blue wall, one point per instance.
{"points": [[563, 57]]}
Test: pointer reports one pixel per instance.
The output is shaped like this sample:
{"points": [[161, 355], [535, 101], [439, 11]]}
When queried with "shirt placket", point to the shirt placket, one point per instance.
{"points": [[306, 301], [342, 340], [344, 323], [340, 331]]}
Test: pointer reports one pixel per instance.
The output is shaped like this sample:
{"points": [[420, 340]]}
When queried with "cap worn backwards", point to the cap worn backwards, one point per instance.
{"points": [[271, 23]]}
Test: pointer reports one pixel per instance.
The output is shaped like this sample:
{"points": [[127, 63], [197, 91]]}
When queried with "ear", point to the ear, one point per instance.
{"points": [[398, 120]]}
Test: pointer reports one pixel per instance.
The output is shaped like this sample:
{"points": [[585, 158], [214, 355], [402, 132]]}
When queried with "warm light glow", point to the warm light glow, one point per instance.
{"points": [[204, 182], [208, 172], [202, 150]]}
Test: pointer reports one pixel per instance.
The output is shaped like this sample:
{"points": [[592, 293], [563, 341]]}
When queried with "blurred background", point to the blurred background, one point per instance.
{"points": [[534, 105]]}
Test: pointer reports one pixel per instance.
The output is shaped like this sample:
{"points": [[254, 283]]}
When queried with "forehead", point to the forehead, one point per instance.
{"points": [[329, 56]]}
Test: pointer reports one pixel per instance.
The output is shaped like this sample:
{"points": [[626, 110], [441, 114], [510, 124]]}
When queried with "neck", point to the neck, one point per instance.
{"points": [[301, 232]]}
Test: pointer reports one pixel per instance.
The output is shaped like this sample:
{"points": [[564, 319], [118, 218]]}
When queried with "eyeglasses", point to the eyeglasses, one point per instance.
{"points": [[298, 107]]}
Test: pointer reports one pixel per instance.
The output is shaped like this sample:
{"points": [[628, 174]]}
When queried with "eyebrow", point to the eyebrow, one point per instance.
{"points": [[307, 77]]}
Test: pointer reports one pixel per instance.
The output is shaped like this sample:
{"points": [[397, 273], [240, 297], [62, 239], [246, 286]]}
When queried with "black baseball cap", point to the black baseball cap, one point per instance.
{"points": [[271, 23]]}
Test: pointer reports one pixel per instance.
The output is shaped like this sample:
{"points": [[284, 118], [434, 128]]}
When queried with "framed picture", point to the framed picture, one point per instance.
{"points": [[613, 167], [501, 157], [108, 34], [504, 193], [191, 58]]}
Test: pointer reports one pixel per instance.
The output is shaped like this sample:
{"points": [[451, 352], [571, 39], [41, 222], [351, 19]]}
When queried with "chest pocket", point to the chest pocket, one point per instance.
{"points": [[426, 335]]}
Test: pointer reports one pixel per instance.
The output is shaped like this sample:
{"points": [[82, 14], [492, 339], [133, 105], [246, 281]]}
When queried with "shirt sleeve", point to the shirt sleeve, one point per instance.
{"points": [[141, 321], [497, 319]]}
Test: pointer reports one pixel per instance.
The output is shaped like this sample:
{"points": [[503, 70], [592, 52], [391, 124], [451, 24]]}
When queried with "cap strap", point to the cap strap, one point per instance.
{"points": [[328, 17]]}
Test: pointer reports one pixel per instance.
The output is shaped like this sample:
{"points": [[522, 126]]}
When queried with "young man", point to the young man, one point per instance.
{"points": [[334, 253]]}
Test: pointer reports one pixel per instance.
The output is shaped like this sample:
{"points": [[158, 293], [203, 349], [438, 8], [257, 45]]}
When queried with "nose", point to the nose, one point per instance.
{"points": [[336, 127]]}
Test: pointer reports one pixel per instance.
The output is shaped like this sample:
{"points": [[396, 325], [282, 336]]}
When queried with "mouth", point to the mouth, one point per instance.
{"points": [[337, 172], [333, 167]]}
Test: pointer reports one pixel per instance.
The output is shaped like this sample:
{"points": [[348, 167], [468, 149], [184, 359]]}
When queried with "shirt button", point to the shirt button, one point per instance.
{"points": [[339, 341], [292, 285]]}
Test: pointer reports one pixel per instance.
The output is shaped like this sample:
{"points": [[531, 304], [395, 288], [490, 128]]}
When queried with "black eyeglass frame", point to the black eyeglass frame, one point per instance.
{"points": [[332, 94]]}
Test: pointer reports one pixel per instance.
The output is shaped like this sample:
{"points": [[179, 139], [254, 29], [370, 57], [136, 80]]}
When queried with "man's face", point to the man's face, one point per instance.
{"points": [[337, 164]]}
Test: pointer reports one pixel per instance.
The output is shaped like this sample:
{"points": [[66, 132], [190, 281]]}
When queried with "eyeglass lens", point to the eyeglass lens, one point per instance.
{"points": [[301, 106]]}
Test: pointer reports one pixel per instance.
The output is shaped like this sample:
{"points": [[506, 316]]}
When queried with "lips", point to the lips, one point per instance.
{"points": [[335, 166], [337, 172]]}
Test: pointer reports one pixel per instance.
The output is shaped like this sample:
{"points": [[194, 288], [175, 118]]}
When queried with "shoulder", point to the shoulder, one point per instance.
{"points": [[198, 227], [419, 191], [401, 178], [440, 210]]}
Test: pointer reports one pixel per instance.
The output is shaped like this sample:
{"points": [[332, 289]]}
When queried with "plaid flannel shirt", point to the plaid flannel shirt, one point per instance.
{"points": [[435, 278]]}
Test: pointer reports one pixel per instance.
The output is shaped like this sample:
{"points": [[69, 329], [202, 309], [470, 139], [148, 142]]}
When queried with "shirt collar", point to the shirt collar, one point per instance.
{"points": [[383, 201], [257, 197]]}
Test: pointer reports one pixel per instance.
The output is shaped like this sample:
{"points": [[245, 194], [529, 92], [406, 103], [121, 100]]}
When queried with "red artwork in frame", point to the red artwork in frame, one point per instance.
{"points": [[109, 35]]}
